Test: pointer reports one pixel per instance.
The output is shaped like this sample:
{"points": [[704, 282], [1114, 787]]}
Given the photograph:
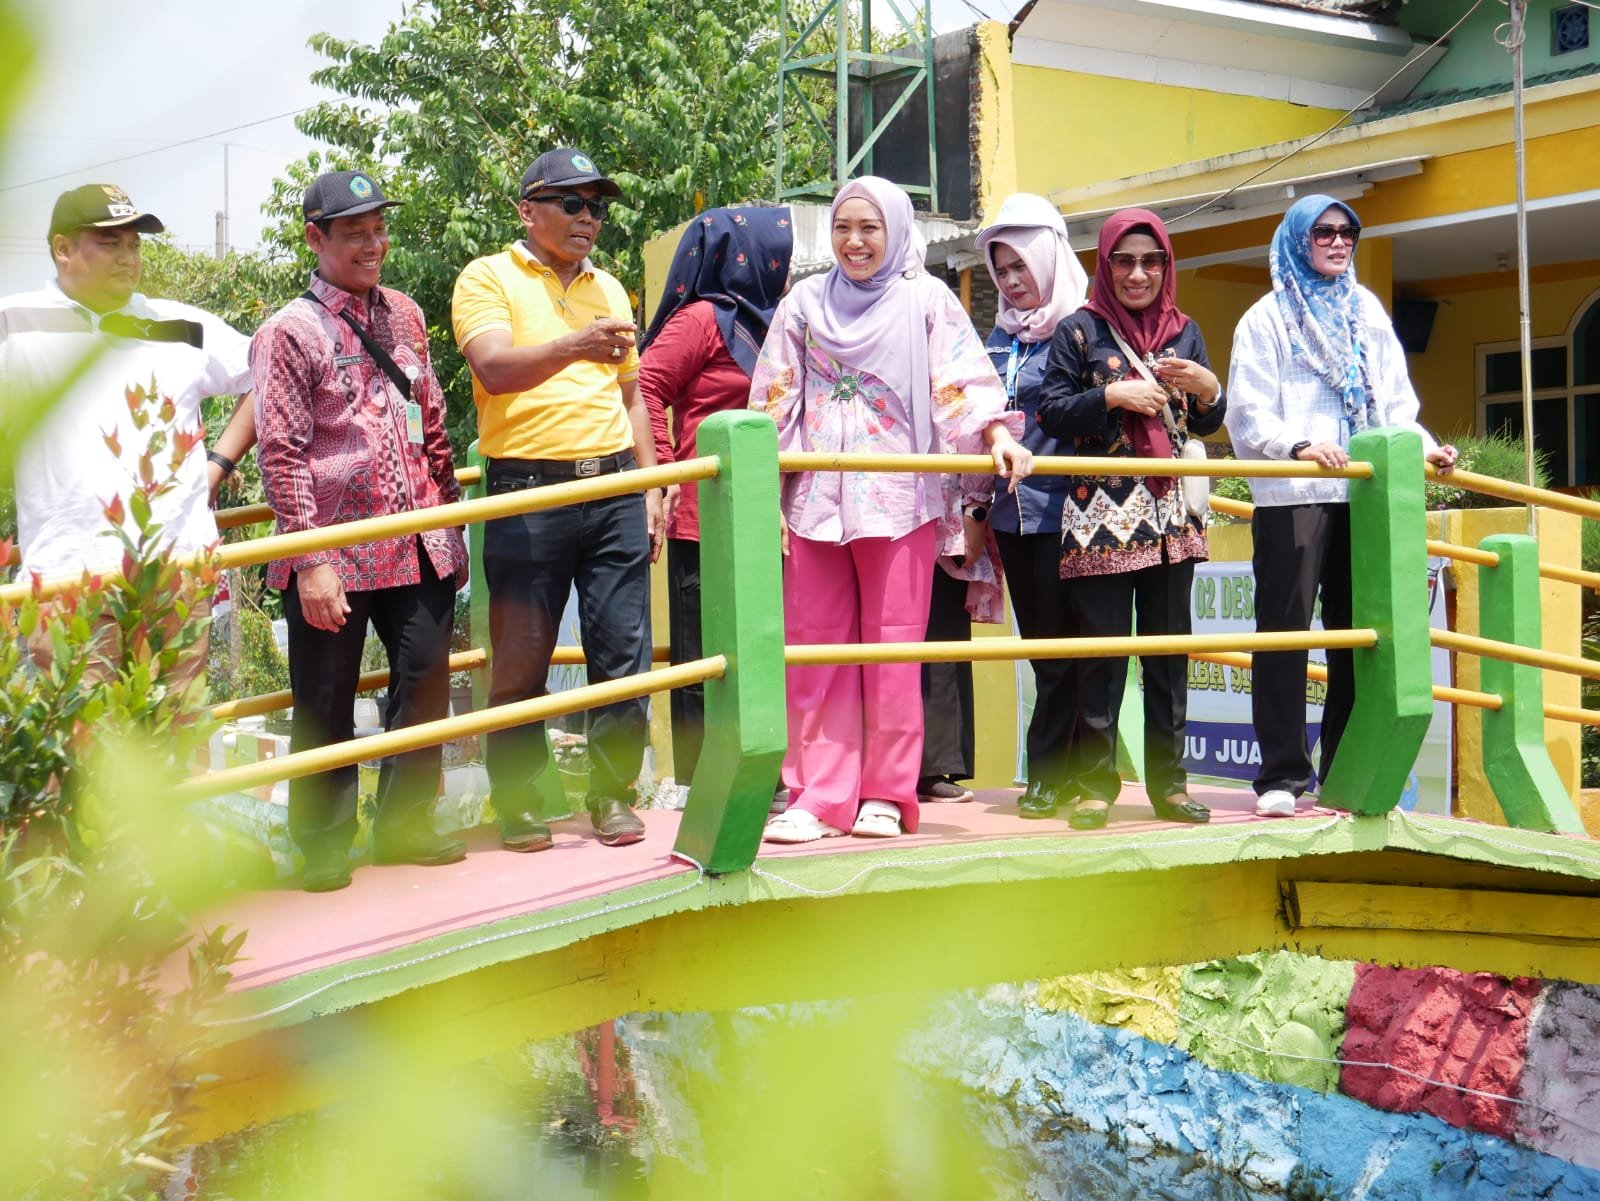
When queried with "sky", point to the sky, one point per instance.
{"points": [[125, 82]]}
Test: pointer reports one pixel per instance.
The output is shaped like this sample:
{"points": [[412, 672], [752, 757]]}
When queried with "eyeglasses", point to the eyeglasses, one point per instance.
{"points": [[1153, 263], [1324, 235], [572, 204]]}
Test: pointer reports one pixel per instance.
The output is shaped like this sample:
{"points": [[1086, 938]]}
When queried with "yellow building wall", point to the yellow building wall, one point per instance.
{"points": [[1478, 310], [1073, 130]]}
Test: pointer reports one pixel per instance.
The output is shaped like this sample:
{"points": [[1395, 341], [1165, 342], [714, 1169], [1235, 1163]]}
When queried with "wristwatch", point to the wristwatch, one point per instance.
{"points": [[978, 513], [1294, 451]]}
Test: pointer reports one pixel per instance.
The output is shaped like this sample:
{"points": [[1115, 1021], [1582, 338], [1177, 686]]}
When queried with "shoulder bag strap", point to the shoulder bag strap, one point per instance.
{"points": [[1144, 370], [380, 356]]}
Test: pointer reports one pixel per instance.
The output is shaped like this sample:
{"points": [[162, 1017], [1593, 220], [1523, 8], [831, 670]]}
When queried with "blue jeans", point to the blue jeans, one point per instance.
{"points": [[530, 564]]}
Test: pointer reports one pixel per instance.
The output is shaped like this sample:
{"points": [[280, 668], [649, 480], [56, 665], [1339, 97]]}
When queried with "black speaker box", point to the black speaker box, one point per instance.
{"points": [[1413, 323]]}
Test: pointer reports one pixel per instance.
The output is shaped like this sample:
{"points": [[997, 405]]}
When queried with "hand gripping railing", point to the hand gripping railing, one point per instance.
{"points": [[743, 623], [1516, 759]]}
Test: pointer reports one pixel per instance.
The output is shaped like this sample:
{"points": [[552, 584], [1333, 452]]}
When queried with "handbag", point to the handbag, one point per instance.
{"points": [[1195, 489]]}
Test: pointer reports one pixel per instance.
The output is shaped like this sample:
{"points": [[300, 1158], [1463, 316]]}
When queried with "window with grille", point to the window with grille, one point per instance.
{"points": [[1569, 29]]}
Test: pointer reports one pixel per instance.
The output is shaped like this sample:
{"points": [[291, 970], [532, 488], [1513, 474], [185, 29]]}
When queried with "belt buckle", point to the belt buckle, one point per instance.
{"points": [[587, 467]]}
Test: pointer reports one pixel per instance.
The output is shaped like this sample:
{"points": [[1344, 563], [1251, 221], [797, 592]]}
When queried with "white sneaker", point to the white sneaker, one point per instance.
{"points": [[1276, 802]]}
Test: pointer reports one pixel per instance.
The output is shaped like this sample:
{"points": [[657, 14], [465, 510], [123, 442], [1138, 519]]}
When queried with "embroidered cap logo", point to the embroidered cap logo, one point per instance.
{"points": [[582, 162], [361, 187]]}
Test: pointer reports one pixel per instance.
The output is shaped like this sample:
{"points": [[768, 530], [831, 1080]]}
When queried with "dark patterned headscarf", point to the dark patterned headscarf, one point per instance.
{"points": [[738, 259]]}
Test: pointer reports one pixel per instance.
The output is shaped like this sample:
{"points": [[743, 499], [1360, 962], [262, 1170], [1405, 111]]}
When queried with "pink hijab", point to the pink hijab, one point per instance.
{"points": [[879, 326], [1033, 227], [1147, 331]]}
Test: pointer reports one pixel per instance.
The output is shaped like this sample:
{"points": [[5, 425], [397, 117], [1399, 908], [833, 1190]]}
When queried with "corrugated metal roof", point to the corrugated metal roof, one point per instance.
{"points": [[813, 239], [1432, 100]]}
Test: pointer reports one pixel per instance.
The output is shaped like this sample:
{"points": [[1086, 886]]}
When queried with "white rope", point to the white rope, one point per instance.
{"points": [[1251, 833]]}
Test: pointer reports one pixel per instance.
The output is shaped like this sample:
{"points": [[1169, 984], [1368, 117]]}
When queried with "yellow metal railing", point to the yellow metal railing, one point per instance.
{"points": [[1449, 550], [989, 650], [1318, 671], [466, 725], [396, 525], [473, 660], [229, 519], [1528, 656], [1072, 465]]}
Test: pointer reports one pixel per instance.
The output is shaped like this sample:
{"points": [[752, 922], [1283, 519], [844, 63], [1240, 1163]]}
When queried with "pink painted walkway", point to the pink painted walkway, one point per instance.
{"points": [[388, 908]]}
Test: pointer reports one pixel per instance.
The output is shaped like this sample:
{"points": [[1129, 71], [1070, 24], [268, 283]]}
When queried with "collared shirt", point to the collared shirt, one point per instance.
{"points": [[334, 443], [67, 474], [1035, 507], [1275, 402], [578, 412]]}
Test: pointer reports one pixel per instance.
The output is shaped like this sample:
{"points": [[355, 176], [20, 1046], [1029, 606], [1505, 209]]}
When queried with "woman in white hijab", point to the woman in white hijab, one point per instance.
{"points": [[1040, 281]]}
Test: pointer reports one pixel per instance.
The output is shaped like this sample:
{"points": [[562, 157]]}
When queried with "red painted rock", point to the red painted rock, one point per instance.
{"points": [[1443, 1026]]}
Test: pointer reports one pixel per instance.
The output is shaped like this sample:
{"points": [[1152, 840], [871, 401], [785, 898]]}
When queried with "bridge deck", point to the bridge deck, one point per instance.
{"points": [[387, 909], [504, 948]]}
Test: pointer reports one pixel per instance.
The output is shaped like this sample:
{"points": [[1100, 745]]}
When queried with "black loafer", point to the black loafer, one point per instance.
{"points": [[615, 822], [525, 832], [1180, 807], [326, 871], [1039, 801], [1091, 814], [423, 848]]}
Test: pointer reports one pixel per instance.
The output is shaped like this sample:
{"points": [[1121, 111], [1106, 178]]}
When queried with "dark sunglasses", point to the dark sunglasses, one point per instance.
{"points": [[572, 204], [1153, 263], [1323, 235]]}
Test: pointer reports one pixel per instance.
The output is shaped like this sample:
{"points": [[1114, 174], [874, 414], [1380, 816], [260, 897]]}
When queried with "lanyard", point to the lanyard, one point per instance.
{"points": [[1014, 365]]}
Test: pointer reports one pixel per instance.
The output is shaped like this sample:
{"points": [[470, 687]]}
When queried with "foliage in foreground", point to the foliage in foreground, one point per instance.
{"points": [[96, 870]]}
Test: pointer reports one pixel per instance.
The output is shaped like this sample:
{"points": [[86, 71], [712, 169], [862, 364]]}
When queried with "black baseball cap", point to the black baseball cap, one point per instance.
{"points": [[99, 206], [565, 168], [343, 194]]}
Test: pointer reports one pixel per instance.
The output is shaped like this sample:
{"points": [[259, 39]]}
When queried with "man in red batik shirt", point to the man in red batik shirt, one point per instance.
{"points": [[350, 419]]}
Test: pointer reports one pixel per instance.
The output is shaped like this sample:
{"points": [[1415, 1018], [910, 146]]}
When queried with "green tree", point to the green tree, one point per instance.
{"points": [[675, 99]]}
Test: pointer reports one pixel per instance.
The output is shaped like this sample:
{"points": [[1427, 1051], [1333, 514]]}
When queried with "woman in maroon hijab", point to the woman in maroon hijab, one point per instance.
{"points": [[1127, 541]]}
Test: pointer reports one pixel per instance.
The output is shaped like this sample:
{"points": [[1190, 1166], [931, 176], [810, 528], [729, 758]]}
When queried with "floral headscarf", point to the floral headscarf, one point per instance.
{"points": [[1322, 312]]}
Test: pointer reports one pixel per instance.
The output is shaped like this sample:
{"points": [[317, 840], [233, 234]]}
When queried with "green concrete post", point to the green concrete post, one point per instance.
{"points": [[551, 797], [741, 599], [1389, 581], [1516, 761]]}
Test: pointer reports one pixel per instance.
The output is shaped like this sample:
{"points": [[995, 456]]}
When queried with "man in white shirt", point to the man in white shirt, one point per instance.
{"points": [[91, 337]]}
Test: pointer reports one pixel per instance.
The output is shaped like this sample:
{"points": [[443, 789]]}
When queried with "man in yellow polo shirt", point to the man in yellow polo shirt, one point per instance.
{"points": [[550, 340]]}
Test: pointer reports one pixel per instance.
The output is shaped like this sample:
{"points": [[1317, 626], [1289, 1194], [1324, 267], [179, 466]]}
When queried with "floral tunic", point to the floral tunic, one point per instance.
{"points": [[1114, 523], [826, 406]]}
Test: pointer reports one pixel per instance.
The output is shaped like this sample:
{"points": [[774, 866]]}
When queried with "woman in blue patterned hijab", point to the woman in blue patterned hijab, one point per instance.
{"points": [[1323, 312]]}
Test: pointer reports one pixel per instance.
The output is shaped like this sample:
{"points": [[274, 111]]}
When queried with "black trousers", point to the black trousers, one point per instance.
{"points": [[1104, 606], [1300, 551], [948, 747], [1039, 598], [683, 634], [531, 563], [413, 623]]}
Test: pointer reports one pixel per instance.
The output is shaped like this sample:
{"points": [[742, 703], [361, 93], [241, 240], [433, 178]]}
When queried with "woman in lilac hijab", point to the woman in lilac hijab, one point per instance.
{"points": [[875, 356]]}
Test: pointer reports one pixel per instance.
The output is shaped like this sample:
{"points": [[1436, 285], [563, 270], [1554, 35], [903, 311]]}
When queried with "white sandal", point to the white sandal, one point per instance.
{"points": [[797, 825], [877, 819]]}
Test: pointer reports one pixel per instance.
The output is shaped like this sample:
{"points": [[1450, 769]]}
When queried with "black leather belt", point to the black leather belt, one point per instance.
{"points": [[510, 475]]}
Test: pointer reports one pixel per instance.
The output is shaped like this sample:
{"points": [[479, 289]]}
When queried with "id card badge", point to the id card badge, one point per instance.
{"points": [[413, 423]]}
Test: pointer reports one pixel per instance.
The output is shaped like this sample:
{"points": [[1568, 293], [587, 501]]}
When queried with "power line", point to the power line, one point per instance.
{"points": [[1310, 142], [157, 149]]}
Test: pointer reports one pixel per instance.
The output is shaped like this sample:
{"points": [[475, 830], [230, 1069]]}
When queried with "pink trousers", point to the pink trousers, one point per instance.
{"points": [[855, 732]]}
